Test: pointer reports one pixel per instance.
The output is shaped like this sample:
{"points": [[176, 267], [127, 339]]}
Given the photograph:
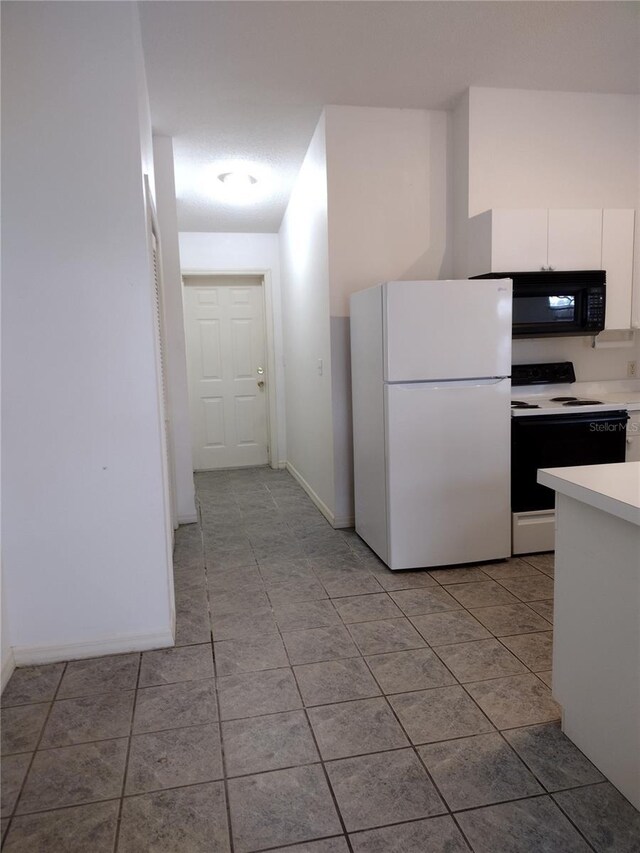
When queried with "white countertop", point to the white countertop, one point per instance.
{"points": [[612, 488], [626, 391], [631, 399]]}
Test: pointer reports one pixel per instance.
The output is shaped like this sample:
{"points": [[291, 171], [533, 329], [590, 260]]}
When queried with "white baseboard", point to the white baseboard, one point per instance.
{"points": [[324, 509], [188, 519], [8, 665], [337, 522], [344, 521], [29, 655]]}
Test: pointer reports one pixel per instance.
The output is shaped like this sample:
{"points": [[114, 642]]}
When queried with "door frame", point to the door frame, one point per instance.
{"points": [[161, 356], [269, 338]]}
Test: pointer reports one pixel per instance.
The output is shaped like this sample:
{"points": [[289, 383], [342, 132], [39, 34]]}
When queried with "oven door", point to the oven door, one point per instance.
{"points": [[556, 441]]}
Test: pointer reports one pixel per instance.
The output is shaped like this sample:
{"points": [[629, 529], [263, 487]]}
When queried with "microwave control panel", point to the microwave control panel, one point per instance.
{"points": [[595, 308]]}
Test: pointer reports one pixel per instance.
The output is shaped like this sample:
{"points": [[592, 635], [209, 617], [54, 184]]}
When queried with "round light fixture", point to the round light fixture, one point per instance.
{"points": [[237, 181]]}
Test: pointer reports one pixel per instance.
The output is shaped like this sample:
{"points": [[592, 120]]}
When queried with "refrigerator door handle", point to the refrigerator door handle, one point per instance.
{"points": [[450, 383]]}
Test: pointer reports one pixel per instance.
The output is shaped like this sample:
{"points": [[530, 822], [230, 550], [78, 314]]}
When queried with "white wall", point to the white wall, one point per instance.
{"points": [[460, 184], [389, 208], [175, 356], [304, 257], [590, 364], [249, 253], [144, 108], [86, 549], [551, 149], [390, 217]]}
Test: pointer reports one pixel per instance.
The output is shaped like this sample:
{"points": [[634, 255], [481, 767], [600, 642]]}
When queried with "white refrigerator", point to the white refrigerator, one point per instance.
{"points": [[431, 365]]}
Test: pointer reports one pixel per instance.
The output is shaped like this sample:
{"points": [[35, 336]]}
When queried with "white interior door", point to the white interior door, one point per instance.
{"points": [[226, 358]]}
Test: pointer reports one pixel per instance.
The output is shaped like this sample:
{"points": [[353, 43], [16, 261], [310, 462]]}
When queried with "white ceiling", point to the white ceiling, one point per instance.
{"points": [[247, 80]]}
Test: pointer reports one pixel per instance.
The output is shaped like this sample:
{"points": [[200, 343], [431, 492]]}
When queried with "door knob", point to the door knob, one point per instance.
{"points": [[261, 384]]}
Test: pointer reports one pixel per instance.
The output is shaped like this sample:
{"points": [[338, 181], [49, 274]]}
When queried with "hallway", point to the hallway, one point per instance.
{"points": [[314, 699]]}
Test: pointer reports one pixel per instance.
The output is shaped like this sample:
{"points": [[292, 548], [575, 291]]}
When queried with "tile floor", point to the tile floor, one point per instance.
{"points": [[315, 702]]}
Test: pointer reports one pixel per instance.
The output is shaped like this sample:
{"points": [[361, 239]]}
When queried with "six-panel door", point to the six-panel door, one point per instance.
{"points": [[227, 374]]}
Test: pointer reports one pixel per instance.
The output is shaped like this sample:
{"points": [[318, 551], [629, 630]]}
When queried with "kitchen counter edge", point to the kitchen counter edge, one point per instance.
{"points": [[613, 488]]}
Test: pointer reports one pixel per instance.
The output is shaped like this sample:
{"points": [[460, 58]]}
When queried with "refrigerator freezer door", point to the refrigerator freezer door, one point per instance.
{"points": [[447, 329], [448, 456]]}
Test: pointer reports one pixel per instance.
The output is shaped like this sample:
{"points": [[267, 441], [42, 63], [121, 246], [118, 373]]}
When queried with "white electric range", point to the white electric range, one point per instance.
{"points": [[561, 403], [552, 427]]}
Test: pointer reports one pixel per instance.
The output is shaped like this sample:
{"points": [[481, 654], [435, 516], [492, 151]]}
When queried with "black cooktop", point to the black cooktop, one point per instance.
{"points": [[546, 373]]}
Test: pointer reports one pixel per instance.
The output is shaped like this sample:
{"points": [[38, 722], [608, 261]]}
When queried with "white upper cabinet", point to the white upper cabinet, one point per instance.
{"points": [[504, 240], [617, 259], [523, 240], [519, 240], [575, 240]]}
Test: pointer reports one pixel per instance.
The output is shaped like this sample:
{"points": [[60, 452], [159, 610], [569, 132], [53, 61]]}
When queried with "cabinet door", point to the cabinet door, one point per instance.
{"points": [[633, 438], [575, 239], [518, 240], [617, 260], [633, 449]]}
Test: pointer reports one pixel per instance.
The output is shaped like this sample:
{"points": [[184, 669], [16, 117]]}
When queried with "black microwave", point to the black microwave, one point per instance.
{"points": [[562, 303]]}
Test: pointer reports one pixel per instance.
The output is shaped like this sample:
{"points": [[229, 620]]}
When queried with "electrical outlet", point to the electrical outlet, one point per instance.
{"points": [[632, 369]]}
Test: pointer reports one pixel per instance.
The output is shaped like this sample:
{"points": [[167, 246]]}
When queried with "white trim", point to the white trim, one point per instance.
{"points": [[27, 655], [167, 469], [267, 291], [274, 448], [162, 381], [334, 521], [188, 519], [342, 521], [8, 665], [324, 509]]}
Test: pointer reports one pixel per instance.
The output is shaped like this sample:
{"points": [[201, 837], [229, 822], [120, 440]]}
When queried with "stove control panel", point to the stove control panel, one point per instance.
{"points": [[546, 373]]}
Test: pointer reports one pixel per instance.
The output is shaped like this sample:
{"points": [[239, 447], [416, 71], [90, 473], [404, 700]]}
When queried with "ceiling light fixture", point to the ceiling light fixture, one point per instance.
{"points": [[238, 183], [237, 180]]}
